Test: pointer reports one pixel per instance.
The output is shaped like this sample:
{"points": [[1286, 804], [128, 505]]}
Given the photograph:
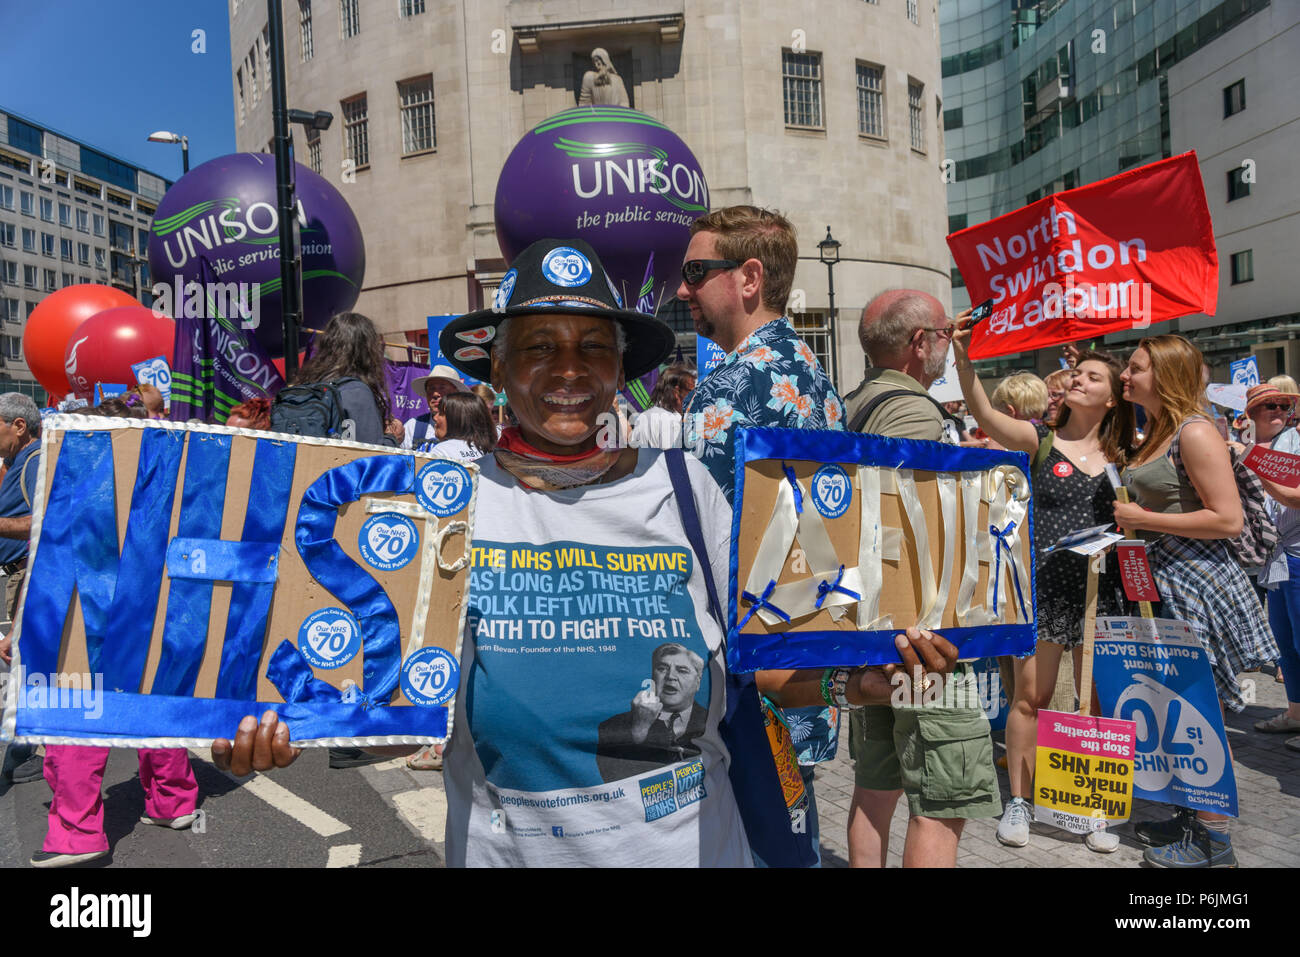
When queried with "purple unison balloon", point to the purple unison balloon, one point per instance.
{"points": [[219, 224], [613, 176]]}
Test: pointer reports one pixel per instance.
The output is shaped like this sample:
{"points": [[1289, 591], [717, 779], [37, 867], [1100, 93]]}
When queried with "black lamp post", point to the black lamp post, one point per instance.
{"points": [[163, 136], [290, 242], [828, 250]]}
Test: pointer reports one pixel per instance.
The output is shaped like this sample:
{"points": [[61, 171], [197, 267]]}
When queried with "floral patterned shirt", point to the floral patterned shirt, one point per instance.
{"points": [[773, 379]]}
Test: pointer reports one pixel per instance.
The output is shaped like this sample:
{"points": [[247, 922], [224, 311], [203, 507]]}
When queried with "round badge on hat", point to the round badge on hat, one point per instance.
{"points": [[567, 267], [502, 297]]}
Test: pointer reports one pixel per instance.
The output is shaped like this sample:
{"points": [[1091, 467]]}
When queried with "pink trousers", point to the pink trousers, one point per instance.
{"points": [[75, 774]]}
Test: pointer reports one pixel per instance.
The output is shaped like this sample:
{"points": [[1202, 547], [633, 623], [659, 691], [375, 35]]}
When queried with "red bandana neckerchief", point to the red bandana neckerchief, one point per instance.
{"points": [[542, 470]]}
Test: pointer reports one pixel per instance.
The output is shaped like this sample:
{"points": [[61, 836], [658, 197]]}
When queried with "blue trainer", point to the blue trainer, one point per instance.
{"points": [[1200, 847]]}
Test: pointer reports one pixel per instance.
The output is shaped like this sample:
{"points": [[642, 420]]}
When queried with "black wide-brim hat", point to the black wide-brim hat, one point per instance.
{"points": [[556, 275]]}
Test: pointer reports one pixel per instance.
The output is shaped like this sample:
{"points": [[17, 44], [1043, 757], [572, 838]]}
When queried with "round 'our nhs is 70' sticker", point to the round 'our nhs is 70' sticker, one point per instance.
{"points": [[388, 541], [329, 638], [831, 491], [443, 488], [430, 676]]}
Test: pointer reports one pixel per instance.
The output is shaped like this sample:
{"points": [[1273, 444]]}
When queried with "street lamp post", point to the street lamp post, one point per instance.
{"points": [[828, 250], [162, 136]]}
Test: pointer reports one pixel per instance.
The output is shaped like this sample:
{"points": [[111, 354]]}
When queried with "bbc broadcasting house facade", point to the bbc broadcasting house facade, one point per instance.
{"points": [[1045, 96], [69, 214], [829, 111]]}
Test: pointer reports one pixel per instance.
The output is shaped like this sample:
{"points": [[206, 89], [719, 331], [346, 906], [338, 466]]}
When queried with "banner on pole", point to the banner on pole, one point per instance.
{"points": [[1153, 671], [1083, 775], [1125, 252]]}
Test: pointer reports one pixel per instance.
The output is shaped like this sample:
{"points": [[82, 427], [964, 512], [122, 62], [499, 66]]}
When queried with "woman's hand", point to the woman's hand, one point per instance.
{"points": [[257, 747], [1129, 516]]}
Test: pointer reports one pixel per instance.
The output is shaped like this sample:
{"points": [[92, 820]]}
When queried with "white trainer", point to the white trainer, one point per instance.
{"points": [[1103, 842], [1013, 829]]}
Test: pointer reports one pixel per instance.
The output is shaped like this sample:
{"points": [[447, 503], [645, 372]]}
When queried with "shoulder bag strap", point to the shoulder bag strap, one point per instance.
{"points": [[691, 522]]}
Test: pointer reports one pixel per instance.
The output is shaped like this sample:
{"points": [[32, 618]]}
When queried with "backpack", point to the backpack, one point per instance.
{"points": [[1259, 536], [314, 409], [950, 421]]}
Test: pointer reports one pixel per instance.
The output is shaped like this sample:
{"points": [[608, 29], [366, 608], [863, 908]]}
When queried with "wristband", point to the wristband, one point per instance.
{"points": [[839, 688], [826, 687]]}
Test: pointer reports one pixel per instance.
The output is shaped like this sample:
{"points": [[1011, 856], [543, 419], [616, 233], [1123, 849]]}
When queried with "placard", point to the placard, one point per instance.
{"points": [[1083, 775], [1135, 572], [1154, 671], [842, 540], [1280, 467], [183, 577]]}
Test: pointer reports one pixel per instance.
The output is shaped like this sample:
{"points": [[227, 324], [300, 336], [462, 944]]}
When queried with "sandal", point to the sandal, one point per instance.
{"points": [[1278, 724], [428, 758]]}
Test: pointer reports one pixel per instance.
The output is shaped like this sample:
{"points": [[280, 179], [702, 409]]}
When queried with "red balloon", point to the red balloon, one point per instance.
{"points": [[106, 345], [52, 323]]}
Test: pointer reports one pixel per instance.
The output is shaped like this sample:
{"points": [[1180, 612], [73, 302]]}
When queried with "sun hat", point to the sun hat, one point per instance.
{"points": [[1258, 394], [556, 275], [439, 372]]}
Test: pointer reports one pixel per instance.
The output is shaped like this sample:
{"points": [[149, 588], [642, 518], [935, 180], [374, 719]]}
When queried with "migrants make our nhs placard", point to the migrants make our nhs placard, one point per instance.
{"points": [[1153, 671], [840, 540], [192, 575]]}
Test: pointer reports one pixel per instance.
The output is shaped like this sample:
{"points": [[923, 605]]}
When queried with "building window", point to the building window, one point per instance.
{"points": [[411, 8], [6, 197], [47, 209], [913, 13], [69, 280], [47, 245], [1237, 184], [916, 113], [816, 330], [952, 119], [250, 65], [12, 310], [29, 240], [416, 98], [1234, 98], [30, 275], [28, 202], [51, 280], [99, 259], [239, 92], [871, 100], [99, 224], [802, 77], [65, 215], [83, 221], [355, 133], [9, 273], [8, 235], [305, 45], [65, 250], [350, 16], [1243, 267], [83, 253], [264, 55]]}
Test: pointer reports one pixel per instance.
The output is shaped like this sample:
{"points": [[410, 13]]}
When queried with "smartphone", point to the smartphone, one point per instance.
{"points": [[978, 314]]}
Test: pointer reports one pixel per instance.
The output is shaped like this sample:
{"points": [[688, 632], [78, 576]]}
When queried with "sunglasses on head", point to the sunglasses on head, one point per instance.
{"points": [[694, 270]]}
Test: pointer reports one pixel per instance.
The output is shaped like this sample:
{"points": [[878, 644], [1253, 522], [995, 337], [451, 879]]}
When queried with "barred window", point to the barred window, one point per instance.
{"points": [[305, 45], [355, 130], [802, 77], [313, 150], [818, 331], [416, 99], [411, 8], [916, 109], [912, 12], [350, 16], [871, 100]]}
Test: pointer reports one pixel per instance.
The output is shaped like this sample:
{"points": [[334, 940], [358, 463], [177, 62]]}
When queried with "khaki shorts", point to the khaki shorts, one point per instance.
{"points": [[942, 758]]}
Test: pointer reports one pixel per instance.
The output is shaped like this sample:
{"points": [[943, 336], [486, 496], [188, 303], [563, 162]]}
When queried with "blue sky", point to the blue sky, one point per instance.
{"points": [[110, 72]]}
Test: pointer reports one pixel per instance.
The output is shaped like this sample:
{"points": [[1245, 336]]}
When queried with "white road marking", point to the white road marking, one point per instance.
{"points": [[344, 855], [285, 801], [426, 810]]}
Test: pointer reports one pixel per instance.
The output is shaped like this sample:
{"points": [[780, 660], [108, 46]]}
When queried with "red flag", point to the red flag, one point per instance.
{"points": [[1122, 253]]}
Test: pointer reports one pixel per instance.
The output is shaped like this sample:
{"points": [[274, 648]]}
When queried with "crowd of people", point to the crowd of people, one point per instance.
{"points": [[560, 353]]}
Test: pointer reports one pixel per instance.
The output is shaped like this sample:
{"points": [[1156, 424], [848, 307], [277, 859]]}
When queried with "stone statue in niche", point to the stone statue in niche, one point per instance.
{"points": [[601, 85]]}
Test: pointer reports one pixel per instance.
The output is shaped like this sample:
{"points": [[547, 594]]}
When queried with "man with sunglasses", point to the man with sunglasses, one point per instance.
{"points": [[940, 757], [736, 280]]}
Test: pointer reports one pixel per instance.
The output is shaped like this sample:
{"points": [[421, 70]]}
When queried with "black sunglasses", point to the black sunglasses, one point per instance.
{"points": [[694, 270]]}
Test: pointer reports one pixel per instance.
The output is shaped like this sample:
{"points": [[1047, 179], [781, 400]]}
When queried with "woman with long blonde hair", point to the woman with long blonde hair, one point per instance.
{"points": [[1187, 504]]}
